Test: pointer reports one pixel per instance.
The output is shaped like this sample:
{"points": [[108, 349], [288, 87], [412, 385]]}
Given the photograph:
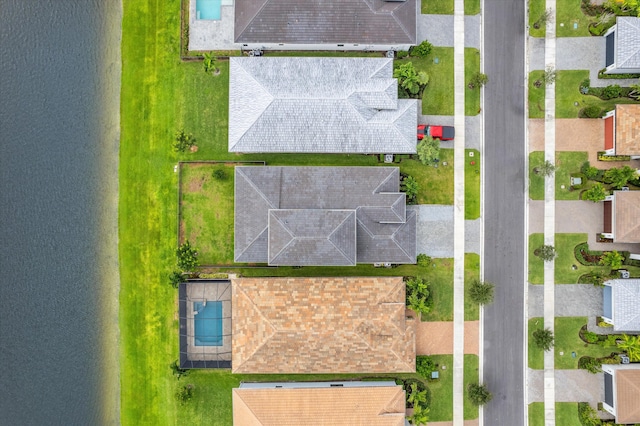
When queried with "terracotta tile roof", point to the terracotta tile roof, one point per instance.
{"points": [[321, 325], [627, 216], [628, 396], [370, 406], [627, 129]]}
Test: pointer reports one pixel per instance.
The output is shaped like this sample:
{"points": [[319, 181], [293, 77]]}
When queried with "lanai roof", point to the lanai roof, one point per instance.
{"points": [[321, 325], [327, 105], [367, 22]]}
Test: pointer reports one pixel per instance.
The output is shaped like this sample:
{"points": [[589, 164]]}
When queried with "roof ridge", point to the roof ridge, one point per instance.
{"points": [[391, 407], [397, 243], [399, 22], [246, 406], [250, 21], [353, 212]]}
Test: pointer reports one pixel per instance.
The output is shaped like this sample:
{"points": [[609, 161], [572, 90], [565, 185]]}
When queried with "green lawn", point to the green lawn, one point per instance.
{"points": [[567, 162], [567, 341], [446, 7], [442, 389], [566, 414], [536, 9], [438, 96], [570, 21], [471, 272], [535, 354], [569, 100], [472, 185], [436, 183]]}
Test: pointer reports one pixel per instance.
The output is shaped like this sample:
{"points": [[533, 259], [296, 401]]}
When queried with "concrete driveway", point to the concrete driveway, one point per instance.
{"points": [[571, 386], [435, 231]]}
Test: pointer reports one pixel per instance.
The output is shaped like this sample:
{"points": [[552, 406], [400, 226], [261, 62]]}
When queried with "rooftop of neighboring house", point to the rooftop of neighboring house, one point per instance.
{"points": [[321, 325], [628, 129], [366, 22]]}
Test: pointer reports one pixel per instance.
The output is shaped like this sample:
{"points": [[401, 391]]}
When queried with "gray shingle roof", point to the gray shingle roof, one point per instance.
{"points": [[325, 21], [627, 42], [626, 304], [322, 216], [329, 105]]}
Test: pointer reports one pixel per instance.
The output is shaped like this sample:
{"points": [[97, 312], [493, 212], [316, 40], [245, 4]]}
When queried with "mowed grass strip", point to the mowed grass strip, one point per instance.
{"points": [[567, 162], [446, 7], [535, 354], [472, 184]]}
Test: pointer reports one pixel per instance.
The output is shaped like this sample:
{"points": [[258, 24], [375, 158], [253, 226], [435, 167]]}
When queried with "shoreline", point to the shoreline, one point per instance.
{"points": [[108, 254]]}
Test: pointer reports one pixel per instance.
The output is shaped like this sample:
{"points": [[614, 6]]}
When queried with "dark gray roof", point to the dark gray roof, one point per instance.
{"points": [[322, 216], [626, 304], [627, 42], [326, 21], [328, 105]]}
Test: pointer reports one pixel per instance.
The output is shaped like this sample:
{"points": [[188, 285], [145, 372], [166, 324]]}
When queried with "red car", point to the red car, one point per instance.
{"points": [[444, 133]]}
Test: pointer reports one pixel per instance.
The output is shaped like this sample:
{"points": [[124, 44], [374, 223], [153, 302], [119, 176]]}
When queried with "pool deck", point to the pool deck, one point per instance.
{"points": [[207, 35], [198, 292]]}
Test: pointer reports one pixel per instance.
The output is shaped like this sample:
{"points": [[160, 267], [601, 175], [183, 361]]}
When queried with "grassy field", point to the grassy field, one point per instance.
{"points": [[471, 272], [535, 354], [569, 100], [472, 185], [442, 389], [568, 341], [437, 98], [445, 7], [566, 414], [566, 163]]}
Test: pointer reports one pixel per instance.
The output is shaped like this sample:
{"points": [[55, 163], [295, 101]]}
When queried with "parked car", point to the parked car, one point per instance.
{"points": [[444, 133]]}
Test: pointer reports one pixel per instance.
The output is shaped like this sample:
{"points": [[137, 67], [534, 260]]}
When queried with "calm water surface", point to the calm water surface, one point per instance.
{"points": [[59, 100]]}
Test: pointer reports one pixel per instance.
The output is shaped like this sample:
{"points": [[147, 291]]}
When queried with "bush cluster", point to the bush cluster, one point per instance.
{"points": [[425, 366], [610, 92], [592, 111]]}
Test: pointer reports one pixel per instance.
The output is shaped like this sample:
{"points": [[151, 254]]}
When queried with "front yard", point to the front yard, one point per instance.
{"points": [[566, 414], [442, 389], [446, 7], [566, 163], [567, 343], [570, 20]]}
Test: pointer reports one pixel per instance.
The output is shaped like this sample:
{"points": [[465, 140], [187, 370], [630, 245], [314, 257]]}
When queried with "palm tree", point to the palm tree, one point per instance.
{"points": [[631, 345], [416, 397], [481, 292], [419, 416], [210, 64], [543, 339]]}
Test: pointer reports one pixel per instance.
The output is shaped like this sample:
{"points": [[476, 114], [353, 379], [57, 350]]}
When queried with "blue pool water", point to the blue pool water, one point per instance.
{"points": [[208, 323], [208, 9]]}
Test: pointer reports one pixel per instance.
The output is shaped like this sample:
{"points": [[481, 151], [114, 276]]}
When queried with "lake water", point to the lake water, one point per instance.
{"points": [[59, 124]]}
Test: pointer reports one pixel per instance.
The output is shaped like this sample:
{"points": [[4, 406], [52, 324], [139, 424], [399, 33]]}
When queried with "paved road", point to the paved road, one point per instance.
{"points": [[504, 209]]}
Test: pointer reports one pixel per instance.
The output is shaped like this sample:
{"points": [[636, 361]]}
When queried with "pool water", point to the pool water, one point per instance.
{"points": [[208, 323], [208, 9]]}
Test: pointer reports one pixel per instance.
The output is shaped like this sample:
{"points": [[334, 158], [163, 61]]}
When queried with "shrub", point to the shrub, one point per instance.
{"points": [[183, 141], [187, 257], [410, 187], [590, 337], [402, 54], [543, 339], [421, 50], [481, 292], [589, 171], [185, 393], [410, 81], [612, 258], [592, 365], [219, 174], [611, 92], [418, 299], [587, 415], [177, 371], [478, 394], [596, 193], [425, 366], [175, 278], [592, 111], [423, 260], [429, 150], [619, 177], [478, 80], [584, 86], [604, 324], [546, 253]]}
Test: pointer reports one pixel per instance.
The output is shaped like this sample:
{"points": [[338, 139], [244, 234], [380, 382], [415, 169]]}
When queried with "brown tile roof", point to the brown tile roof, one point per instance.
{"points": [[627, 396], [627, 129], [321, 325], [627, 216], [370, 406]]}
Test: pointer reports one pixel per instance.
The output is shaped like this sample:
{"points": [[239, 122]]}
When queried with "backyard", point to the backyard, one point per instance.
{"points": [[569, 347], [567, 162]]}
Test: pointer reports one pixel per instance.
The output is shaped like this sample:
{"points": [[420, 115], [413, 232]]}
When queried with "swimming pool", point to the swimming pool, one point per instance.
{"points": [[208, 323], [208, 9]]}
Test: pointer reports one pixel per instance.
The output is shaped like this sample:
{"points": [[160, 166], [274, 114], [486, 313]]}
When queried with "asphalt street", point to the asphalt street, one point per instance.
{"points": [[504, 212]]}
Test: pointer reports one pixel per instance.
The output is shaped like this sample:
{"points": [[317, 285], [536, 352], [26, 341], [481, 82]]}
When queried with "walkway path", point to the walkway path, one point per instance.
{"points": [[549, 215], [459, 222], [436, 338], [578, 53]]}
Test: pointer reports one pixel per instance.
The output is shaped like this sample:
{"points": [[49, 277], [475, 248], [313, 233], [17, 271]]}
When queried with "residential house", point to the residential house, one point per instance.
{"points": [[318, 105], [621, 304], [322, 216], [623, 46], [622, 131], [326, 24], [321, 325], [622, 217], [319, 403], [297, 325], [622, 392]]}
